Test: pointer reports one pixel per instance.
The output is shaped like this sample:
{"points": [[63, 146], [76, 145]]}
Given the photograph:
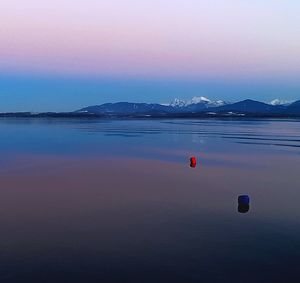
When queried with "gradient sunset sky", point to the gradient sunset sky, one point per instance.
{"points": [[62, 55]]}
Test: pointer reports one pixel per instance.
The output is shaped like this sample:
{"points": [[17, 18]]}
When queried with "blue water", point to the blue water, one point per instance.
{"points": [[116, 200], [131, 138]]}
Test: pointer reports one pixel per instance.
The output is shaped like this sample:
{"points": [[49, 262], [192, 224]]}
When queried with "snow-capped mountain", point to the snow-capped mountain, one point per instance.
{"points": [[195, 101], [277, 102], [177, 103], [199, 99]]}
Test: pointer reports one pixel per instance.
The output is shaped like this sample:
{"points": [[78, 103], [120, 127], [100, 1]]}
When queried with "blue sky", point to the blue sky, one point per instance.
{"points": [[23, 93], [61, 55]]}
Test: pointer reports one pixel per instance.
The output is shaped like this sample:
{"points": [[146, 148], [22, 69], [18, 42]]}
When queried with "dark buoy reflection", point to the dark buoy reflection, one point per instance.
{"points": [[243, 208]]}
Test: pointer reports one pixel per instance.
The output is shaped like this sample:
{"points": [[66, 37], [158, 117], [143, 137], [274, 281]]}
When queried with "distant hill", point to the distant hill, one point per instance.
{"points": [[247, 106], [127, 108], [293, 108]]}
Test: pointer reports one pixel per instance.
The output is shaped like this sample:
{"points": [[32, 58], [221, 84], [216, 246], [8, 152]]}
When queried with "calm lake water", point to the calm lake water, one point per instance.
{"points": [[116, 201]]}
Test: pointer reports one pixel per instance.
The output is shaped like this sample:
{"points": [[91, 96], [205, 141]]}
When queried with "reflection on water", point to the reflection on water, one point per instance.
{"points": [[116, 201], [243, 208]]}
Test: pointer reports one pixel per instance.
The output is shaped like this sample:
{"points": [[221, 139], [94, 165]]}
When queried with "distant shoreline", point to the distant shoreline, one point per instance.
{"points": [[76, 115]]}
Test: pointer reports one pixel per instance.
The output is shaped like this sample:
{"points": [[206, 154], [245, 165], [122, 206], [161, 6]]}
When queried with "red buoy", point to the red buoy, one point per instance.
{"points": [[193, 162]]}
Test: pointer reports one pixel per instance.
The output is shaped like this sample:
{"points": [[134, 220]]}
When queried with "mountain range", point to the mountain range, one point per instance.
{"points": [[197, 106]]}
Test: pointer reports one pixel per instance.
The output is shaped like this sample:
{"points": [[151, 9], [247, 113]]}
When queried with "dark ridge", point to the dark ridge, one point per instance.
{"points": [[127, 110]]}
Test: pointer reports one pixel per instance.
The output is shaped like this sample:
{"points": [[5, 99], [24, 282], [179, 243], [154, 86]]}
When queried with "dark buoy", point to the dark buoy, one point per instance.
{"points": [[243, 202], [193, 162], [244, 199]]}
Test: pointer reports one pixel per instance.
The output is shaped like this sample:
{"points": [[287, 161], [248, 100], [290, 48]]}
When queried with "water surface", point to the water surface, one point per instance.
{"points": [[116, 201]]}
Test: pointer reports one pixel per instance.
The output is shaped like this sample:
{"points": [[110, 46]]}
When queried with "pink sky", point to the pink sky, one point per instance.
{"points": [[139, 38]]}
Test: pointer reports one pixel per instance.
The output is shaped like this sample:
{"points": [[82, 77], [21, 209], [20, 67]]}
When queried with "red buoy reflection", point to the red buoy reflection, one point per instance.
{"points": [[193, 162]]}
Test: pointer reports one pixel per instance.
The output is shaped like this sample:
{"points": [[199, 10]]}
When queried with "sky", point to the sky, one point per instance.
{"points": [[62, 55]]}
